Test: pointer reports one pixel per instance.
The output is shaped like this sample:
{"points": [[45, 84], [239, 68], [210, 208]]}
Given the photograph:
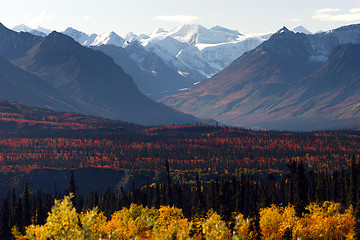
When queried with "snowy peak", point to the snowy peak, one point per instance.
{"points": [[22, 28], [188, 33], [196, 34], [78, 36], [39, 31], [199, 51], [44, 30], [301, 29], [108, 39], [322, 44], [283, 30], [284, 33], [73, 31], [186, 29], [143, 36], [130, 37], [158, 31], [222, 29]]}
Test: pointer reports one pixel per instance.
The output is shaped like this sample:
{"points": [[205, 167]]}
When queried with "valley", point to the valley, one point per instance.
{"points": [[189, 132]]}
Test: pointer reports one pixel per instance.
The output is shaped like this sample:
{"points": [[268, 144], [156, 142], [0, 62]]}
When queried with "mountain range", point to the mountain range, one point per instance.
{"points": [[151, 74], [187, 54], [199, 51], [58, 73], [291, 81], [169, 62]]}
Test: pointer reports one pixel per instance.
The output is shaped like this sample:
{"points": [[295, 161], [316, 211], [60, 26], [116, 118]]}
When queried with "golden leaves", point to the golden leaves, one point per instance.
{"points": [[322, 221]]}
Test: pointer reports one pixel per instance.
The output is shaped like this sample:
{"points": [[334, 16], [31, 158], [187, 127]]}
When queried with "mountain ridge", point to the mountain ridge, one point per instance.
{"points": [[88, 77], [262, 88]]}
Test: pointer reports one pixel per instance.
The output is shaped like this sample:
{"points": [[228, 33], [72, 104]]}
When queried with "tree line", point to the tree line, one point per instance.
{"points": [[245, 194]]}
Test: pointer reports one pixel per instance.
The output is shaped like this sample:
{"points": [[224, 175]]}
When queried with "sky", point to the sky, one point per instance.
{"points": [[144, 16]]}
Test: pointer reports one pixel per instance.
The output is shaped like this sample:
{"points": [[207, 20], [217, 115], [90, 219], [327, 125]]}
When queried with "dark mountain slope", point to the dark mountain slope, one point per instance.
{"points": [[23, 87], [254, 81], [14, 44], [280, 85], [92, 77], [333, 91]]}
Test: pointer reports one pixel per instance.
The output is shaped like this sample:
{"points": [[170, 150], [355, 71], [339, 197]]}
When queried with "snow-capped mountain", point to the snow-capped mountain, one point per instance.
{"points": [[323, 43], [196, 50], [176, 54], [44, 30], [22, 28], [80, 37], [301, 29], [291, 81], [108, 39], [192, 50], [194, 34], [39, 31], [130, 37]]}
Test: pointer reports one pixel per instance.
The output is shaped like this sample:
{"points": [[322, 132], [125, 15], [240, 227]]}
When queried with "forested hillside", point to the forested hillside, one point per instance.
{"points": [[35, 138]]}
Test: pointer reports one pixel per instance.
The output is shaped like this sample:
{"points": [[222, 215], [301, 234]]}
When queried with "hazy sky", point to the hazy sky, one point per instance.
{"points": [[143, 16]]}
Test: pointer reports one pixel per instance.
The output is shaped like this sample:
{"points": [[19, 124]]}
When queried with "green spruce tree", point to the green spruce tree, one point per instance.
{"points": [[301, 199]]}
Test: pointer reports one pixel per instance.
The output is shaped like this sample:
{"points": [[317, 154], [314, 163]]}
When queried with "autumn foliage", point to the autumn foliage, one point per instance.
{"points": [[322, 221], [33, 138], [207, 148]]}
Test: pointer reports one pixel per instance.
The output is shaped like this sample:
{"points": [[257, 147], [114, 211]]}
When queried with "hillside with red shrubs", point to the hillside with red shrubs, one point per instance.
{"points": [[33, 138]]}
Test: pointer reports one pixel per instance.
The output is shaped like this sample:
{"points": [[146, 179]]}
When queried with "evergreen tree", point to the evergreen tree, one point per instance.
{"points": [[40, 212], [169, 192], [12, 220], [292, 165], [320, 188], [72, 188], [26, 206], [199, 196], [353, 182], [335, 188], [4, 220], [18, 216], [301, 199], [156, 199], [72, 184], [357, 221], [226, 200], [343, 181]]}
